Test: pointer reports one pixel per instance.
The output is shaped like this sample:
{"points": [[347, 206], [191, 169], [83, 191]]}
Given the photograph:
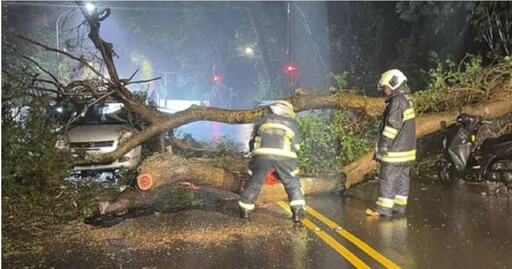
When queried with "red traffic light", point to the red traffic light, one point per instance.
{"points": [[218, 78], [290, 68]]}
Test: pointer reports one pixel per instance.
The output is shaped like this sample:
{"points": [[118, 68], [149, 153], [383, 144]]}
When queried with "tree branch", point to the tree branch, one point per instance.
{"points": [[57, 83], [184, 147], [48, 48], [142, 81], [86, 107], [28, 85]]}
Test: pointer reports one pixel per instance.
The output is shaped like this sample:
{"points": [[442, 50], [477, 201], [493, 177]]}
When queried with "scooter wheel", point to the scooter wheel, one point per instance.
{"points": [[444, 171]]}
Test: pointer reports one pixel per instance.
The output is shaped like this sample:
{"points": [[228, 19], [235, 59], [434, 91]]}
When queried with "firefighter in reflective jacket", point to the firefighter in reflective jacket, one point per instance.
{"points": [[396, 146], [274, 144]]}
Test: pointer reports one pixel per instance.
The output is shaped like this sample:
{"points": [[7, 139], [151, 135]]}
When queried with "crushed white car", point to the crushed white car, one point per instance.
{"points": [[100, 130]]}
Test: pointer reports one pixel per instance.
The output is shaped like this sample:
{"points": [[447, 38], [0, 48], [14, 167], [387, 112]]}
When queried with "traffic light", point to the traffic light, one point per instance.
{"points": [[218, 78], [290, 68]]}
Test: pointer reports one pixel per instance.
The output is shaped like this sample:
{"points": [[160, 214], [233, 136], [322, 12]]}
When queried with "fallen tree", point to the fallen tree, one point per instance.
{"points": [[163, 170], [166, 169]]}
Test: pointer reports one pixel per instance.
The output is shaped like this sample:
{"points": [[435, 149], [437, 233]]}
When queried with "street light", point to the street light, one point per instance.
{"points": [[90, 7], [249, 51]]}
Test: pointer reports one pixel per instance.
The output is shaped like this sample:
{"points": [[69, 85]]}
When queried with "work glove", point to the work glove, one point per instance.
{"points": [[247, 154]]}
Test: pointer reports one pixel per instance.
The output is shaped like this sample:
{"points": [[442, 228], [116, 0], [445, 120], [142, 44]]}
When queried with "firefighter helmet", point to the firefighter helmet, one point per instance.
{"points": [[393, 78], [282, 108]]}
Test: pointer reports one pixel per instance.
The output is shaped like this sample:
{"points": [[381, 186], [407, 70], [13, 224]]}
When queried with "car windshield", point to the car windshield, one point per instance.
{"points": [[108, 113]]}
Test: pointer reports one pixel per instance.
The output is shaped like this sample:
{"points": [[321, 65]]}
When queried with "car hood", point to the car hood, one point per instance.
{"points": [[97, 132]]}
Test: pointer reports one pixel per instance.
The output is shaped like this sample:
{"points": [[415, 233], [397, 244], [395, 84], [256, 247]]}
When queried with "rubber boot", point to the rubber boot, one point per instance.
{"points": [[244, 213], [378, 213], [399, 209], [297, 213]]}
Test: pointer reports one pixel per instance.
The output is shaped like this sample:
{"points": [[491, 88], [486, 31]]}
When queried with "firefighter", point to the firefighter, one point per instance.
{"points": [[396, 146], [274, 144]]}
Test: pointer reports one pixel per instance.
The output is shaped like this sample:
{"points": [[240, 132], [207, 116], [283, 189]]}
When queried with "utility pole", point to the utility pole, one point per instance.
{"points": [[170, 79], [290, 48]]}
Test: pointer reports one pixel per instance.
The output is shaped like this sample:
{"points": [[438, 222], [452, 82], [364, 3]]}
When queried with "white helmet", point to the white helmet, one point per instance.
{"points": [[392, 78], [282, 108]]}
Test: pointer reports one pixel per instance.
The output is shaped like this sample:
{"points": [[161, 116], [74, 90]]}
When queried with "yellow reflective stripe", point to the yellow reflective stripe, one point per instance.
{"points": [[398, 157], [276, 152], [380, 203], [297, 147], [389, 135], [287, 143], [289, 132], [288, 137], [409, 114], [385, 202], [391, 130], [294, 172], [402, 153], [257, 142], [388, 159], [246, 206], [298, 202], [400, 202]]}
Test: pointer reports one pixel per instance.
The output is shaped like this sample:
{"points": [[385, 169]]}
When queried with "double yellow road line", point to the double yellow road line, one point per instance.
{"points": [[347, 254]]}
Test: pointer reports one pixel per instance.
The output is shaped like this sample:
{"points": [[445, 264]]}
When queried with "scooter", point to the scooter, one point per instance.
{"points": [[478, 151]]}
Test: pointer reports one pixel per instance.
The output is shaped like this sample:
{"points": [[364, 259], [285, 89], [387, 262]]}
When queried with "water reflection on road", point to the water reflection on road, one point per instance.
{"points": [[213, 132]]}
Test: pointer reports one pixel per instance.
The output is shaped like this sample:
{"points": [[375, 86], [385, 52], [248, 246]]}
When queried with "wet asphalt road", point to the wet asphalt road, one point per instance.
{"points": [[445, 227]]}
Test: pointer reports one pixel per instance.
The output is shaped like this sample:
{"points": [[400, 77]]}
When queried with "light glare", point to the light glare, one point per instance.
{"points": [[90, 7]]}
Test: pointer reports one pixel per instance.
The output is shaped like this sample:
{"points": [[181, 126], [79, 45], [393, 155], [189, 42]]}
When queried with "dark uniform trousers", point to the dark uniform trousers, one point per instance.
{"points": [[394, 188], [286, 169]]}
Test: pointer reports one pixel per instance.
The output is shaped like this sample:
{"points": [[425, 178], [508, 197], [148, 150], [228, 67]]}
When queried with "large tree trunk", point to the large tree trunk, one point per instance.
{"points": [[425, 125], [371, 106], [166, 169], [363, 105]]}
